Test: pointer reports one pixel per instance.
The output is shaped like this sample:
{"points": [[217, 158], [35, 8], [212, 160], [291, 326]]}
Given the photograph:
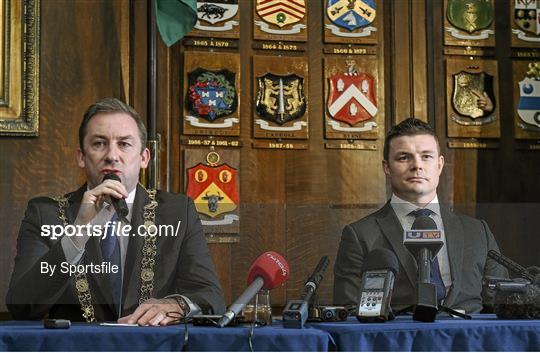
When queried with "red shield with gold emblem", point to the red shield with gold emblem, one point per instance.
{"points": [[213, 188], [352, 97], [281, 12]]}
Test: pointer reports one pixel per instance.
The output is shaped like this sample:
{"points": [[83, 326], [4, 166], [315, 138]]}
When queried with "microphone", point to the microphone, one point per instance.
{"points": [[378, 273], [315, 279], [424, 242], [295, 313], [511, 265], [119, 205], [267, 272]]}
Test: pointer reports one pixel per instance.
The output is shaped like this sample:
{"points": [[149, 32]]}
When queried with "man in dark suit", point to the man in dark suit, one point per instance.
{"points": [[413, 163], [122, 273]]}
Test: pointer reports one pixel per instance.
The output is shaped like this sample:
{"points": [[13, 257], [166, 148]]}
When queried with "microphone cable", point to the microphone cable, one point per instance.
{"points": [[180, 320], [255, 323]]}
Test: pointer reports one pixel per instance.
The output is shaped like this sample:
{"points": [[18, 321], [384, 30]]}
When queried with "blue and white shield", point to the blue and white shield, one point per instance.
{"points": [[211, 94], [529, 101], [351, 15]]}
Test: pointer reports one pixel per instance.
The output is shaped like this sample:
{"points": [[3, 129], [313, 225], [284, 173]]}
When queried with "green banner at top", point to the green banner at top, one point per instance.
{"points": [[175, 19]]}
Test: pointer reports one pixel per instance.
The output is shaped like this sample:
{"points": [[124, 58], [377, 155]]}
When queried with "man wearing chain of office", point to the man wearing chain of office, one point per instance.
{"points": [[80, 258]]}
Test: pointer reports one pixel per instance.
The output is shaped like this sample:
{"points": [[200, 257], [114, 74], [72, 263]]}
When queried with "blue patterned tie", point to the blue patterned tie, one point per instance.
{"points": [[110, 250], [435, 272]]}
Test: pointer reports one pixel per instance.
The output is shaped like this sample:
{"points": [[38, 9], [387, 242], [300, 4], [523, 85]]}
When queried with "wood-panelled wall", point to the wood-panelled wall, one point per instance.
{"points": [[293, 202]]}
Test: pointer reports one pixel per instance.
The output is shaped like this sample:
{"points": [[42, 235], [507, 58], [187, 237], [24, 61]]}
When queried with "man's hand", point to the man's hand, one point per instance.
{"points": [[92, 203], [93, 199], [153, 312]]}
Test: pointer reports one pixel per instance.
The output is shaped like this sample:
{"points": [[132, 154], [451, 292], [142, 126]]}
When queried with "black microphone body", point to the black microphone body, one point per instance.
{"points": [[315, 279], [119, 205], [424, 242], [511, 265], [295, 313]]}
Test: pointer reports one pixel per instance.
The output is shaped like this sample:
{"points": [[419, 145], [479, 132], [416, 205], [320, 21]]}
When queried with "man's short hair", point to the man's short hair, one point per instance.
{"points": [[111, 105], [408, 127]]}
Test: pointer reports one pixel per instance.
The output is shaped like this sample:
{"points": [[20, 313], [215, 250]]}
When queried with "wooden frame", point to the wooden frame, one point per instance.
{"points": [[19, 67]]}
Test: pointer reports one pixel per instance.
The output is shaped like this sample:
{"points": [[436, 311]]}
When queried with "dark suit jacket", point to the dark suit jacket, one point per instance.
{"points": [[468, 242], [182, 265]]}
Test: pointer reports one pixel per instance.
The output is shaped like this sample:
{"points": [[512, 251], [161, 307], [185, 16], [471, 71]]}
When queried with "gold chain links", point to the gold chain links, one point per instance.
{"points": [[149, 248], [81, 282]]}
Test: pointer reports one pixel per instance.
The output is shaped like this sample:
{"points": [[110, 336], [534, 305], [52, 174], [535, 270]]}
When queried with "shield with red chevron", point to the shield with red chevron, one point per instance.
{"points": [[352, 97], [281, 12]]}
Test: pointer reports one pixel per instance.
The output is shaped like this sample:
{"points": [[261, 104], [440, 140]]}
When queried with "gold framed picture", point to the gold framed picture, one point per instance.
{"points": [[19, 67]]}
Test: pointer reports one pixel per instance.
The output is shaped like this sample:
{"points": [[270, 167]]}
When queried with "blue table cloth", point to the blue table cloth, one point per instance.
{"points": [[31, 336], [483, 333]]}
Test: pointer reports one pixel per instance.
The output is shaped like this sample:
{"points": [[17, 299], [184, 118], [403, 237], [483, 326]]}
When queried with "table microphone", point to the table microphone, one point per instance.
{"points": [[511, 265], [119, 205], [295, 313], [424, 241], [267, 272]]}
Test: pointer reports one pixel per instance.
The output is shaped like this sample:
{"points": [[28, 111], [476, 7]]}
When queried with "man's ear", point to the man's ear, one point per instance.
{"points": [[385, 168], [80, 158], [145, 158], [441, 163]]}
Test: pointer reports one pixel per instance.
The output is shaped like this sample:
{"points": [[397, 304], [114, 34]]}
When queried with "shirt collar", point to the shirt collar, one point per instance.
{"points": [[129, 201], [402, 208]]}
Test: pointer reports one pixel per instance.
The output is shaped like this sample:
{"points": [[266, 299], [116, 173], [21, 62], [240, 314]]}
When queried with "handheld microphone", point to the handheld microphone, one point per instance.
{"points": [[267, 272], [511, 265], [424, 242], [295, 313], [378, 273], [119, 205]]}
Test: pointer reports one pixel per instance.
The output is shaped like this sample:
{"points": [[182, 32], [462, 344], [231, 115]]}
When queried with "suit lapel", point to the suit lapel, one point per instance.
{"points": [[74, 203], [455, 236], [132, 265], [393, 231]]}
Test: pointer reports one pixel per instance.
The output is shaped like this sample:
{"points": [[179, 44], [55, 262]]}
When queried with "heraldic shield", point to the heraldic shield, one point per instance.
{"points": [[468, 87], [527, 15], [211, 94], [349, 14], [280, 99], [281, 12], [352, 97], [215, 11], [529, 101], [470, 15], [213, 188]]}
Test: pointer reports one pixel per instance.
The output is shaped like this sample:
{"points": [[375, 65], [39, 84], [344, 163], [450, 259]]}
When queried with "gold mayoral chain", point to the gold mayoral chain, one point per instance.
{"points": [[149, 251]]}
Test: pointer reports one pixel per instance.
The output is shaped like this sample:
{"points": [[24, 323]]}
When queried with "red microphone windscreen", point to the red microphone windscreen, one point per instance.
{"points": [[272, 267]]}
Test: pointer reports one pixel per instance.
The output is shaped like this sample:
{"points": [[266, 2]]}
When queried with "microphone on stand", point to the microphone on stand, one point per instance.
{"points": [[511, 265], [295, 313], [424, 242], [267, 272]]}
